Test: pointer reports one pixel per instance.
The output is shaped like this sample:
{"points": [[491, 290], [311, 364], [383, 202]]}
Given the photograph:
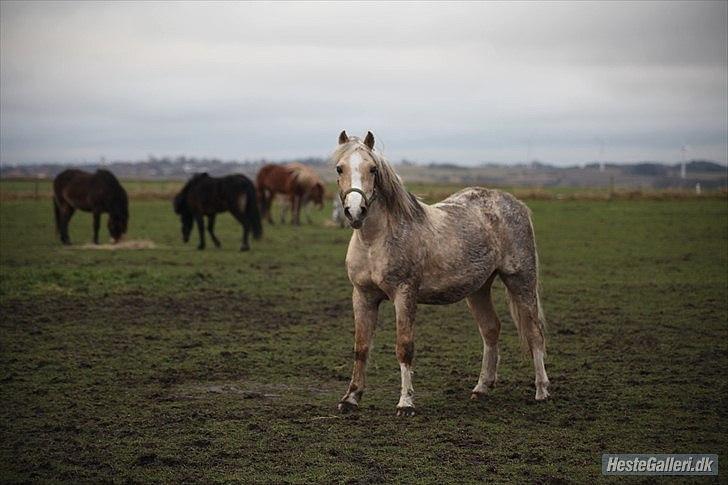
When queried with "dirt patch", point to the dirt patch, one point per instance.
{"points": [[252, 390], [130, 244], [137, 308]]}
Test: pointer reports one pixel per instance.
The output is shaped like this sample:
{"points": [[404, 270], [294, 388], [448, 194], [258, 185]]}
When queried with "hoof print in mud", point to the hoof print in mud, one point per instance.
{"points": [[345, 407], [407, 411]]}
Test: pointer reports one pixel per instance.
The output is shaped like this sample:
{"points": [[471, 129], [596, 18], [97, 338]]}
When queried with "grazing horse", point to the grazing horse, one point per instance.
{"points": [[206, 196], [271, 180], [305, 186], [91, 192], [410, 252], [300, 183]]}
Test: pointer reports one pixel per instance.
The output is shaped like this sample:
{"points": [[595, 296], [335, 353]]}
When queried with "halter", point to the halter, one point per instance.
{"points": [[367, 201]]}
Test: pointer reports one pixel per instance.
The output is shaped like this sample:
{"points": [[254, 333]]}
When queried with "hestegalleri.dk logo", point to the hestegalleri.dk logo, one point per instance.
{"points": [[659, 464]]}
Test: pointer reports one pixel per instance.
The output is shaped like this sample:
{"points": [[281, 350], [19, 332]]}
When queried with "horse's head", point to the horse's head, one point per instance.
{"points": [[119, 219], [117, 227], [357, 170], [185, 215]]}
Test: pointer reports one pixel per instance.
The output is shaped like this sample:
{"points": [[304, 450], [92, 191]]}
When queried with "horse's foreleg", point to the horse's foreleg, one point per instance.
{"points": [[405, 305], [199, 219], [481, 306], [97, 225], [211, 230], [366, 308]]}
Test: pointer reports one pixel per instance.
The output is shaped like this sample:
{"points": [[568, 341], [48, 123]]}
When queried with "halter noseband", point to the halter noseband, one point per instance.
{"points": [[367, 200]]}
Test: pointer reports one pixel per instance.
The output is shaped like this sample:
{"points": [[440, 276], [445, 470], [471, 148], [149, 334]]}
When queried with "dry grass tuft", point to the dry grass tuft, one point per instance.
{"points": [[130, 244]]}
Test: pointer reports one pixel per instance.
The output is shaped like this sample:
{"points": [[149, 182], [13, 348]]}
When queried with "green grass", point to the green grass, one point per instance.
{"points": [[175, 365]]}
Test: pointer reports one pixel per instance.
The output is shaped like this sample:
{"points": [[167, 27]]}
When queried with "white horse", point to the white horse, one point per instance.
{"points": [[410, 252]]}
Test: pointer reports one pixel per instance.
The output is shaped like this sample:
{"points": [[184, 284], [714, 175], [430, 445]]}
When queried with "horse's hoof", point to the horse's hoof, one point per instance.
{"points": [[346, 407], [478, 396], [541, 394], [406, 411], [244, 248]]}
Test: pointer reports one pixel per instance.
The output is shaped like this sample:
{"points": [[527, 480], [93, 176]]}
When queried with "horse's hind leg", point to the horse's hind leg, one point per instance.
{"points": [[240, 216], [481, 306], [246, 233], [525, 307], [211, 230], [97, 226]]}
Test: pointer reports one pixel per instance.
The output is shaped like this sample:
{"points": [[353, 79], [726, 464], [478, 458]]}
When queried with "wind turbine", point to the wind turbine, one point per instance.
{"points": [[600, 158], [683, 151]]}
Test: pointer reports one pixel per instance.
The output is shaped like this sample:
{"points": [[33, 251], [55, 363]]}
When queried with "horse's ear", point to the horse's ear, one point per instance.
{"points": [[343, 137], [369, 140]]}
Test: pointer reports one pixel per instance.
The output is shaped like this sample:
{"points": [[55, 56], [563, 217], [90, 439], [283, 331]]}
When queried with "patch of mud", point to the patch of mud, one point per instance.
{"points": [[130, 244], [137, 308], [251, 390]]}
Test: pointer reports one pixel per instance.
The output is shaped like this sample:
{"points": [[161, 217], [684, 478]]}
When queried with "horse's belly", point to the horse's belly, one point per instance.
{"points": [[432, 293]]}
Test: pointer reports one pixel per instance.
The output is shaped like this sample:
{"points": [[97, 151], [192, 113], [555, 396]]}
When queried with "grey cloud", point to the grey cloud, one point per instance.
{"points": [[456, 81]]}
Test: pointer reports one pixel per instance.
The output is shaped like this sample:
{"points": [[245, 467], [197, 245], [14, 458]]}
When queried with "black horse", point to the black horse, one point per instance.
{"points": [[91, 192], [206, 196]]}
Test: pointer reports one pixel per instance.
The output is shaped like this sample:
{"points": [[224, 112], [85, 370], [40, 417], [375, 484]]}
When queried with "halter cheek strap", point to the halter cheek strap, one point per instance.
{"points": [[367, 200]]}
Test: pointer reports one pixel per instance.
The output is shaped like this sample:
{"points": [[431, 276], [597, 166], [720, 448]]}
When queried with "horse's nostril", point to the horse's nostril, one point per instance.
{"points": [[363, 211], [347, 213]]}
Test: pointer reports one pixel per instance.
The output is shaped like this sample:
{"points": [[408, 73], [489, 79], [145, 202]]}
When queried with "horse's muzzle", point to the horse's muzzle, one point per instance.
{"points": [[356, 219], [357, 213]]}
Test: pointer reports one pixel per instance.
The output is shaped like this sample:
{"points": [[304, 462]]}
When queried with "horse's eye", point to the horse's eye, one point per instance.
{"points": [[373, 170], [339, 169]]}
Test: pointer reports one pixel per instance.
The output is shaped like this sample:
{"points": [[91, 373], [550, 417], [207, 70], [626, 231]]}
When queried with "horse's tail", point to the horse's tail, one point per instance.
{"points": [[524, 301], [252, 212]]}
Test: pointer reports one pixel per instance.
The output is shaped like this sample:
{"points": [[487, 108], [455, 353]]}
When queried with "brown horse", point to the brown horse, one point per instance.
{"points": [[298, 182], [206, 196], [305, 186], [91, 192]]}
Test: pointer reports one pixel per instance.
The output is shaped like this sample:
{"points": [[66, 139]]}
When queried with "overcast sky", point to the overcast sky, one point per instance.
{"points": [[458, 82]]}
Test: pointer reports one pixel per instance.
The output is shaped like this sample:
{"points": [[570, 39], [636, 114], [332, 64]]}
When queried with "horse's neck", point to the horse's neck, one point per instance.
{"points": [[381, 226]]}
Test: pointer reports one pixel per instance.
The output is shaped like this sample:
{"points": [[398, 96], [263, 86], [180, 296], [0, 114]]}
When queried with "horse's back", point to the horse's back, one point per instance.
{"points": [[274, 178], [211, 195], [68, 176], [99, 191], [505, 219]]}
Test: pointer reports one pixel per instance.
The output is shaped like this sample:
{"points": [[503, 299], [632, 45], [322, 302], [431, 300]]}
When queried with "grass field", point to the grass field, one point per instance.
{"points": [[176, 365]]}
